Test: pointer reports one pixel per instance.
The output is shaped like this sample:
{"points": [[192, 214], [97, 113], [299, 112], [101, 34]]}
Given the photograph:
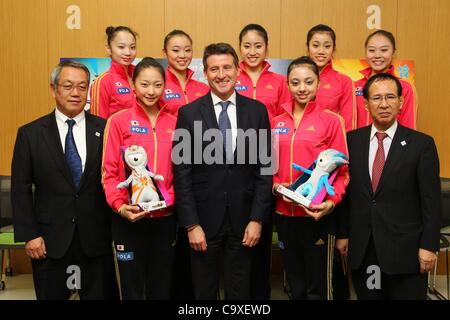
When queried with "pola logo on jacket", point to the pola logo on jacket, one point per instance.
{"points": [[169, 95], [135, 128], [279, 128], [123, 90], [239, 86], [359, 91]]}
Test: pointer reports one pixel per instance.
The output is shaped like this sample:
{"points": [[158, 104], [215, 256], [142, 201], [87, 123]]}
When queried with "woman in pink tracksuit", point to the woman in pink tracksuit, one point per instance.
{"points": [[380, 50], [143, 241], [111, 91], [307, 235], [257, 82], [336, 91], [181, 88]]}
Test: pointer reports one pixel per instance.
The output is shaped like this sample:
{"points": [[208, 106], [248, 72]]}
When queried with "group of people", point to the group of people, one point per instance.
{"points": [[384, 210]]}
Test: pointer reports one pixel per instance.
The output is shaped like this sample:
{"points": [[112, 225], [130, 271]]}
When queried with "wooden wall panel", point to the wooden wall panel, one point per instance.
{"points": [[23, 65], [221, 21], [423, 35], [297, 18], [348, 18]]}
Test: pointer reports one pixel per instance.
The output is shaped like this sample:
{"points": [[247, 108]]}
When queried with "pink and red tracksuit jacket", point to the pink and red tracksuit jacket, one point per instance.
{"points": [[133, 127], [271, 89], [174, 97], [337, 93], [408, 114], [318, 130], [111, 91]]}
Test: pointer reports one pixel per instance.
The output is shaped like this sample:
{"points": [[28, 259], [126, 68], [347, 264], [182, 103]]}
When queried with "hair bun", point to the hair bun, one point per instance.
{"points": [[110, 30]]}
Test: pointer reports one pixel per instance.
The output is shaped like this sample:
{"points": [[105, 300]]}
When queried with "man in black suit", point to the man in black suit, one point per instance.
{"points": [[223, 199], [66, 223], [390, 218]]}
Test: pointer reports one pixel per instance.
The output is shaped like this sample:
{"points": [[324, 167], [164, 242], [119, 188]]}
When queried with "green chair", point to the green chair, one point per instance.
{"points": [[6, 229]]}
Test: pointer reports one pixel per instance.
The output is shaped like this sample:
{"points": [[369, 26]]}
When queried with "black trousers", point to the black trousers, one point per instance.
{"points": [[260, 272], [182, 286], [144, 255], [236, 265], [387, 287], [308, 252], [93, 277]]}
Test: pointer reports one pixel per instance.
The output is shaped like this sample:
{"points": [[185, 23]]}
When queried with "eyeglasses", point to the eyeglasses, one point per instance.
{"points": [[68, 87], [390, 98]]}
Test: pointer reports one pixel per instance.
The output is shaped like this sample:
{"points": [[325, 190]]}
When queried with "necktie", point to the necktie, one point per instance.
{"points": [[378, 162], [72, 157], [224, 124]]}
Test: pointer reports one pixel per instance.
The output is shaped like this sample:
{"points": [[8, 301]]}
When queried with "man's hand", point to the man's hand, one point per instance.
{"points": [[197, 238], [132, 213], [252, 234], [427, 260], [342, 246], [35, 249], [318, 211]]}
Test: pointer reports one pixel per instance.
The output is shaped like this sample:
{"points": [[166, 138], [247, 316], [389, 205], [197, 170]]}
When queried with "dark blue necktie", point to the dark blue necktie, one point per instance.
{"points": [[72, 157], [224, 124]]}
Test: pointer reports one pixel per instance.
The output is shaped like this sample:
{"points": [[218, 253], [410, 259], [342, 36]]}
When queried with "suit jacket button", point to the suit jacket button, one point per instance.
{"points": [[73, 220], [77, 196], [374, 202]]}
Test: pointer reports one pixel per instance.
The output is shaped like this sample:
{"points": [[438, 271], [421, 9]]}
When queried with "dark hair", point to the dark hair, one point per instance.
{"points": [[148, 62], [382, 77], [54, 77], [219, 48], [254, 27], [304, 60], [112, 31], [384, 33], [321, 28], [175, 33]]}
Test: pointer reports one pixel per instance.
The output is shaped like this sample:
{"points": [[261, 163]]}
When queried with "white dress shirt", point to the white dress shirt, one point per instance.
{"points": [[374, 144], [79, 133], [231, 111]]}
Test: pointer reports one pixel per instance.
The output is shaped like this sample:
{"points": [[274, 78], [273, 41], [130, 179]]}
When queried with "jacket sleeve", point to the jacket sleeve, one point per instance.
{"points": [[347, 104], [24, 218], [182, 173], [100, 97], [430, 191], [408, 113], [337, 141], [262, 200], [113, 166]]}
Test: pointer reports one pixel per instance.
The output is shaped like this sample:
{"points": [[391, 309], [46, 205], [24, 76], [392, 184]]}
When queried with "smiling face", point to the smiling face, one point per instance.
{"points": [[383, 103], [148, 87], [179, 52], [321, 48], [71, 91], [253, 49], [379, 53], [222, 74], [303, 84], [122, 48], [135, 157]]}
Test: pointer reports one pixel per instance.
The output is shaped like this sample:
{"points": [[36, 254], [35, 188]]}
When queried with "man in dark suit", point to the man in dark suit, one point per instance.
{"points": [[390, 218], [223, 199], [66, 223]]}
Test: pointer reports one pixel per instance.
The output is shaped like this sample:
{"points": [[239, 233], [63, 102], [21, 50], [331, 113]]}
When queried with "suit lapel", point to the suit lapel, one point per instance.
{"points": [[394, 156], [241, 113], [208, 113], [93, 139], [53, 141], [365, 144]]}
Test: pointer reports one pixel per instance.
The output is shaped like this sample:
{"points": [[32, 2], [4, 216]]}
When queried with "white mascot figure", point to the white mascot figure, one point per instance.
{"points": [[143, 190]]}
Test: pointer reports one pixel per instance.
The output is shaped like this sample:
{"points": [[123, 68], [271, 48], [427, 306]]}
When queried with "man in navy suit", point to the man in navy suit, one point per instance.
{"points": [[390, 218], [66, 222], [222, 204]]}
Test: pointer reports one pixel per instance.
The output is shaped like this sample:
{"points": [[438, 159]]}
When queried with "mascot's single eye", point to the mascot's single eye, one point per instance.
{"points": [[135, 159], [321, 160]]}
